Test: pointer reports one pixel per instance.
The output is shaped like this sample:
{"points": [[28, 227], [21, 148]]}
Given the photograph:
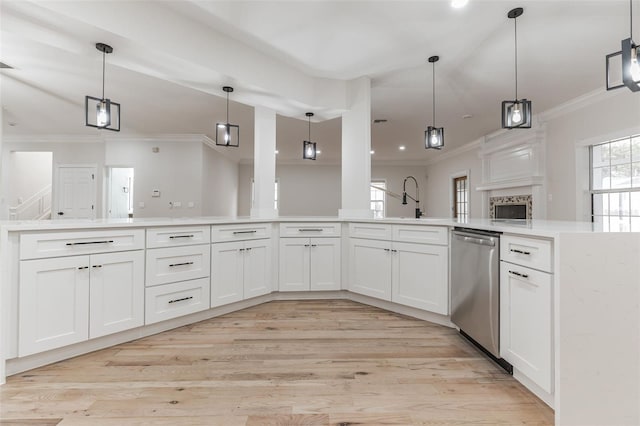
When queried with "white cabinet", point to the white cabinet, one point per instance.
{"points": [[420, 276], [411, 270], [116, 295], [370, 268], [309, 264], [168, 301], [526, 308], [240, 270], [70, 299]]}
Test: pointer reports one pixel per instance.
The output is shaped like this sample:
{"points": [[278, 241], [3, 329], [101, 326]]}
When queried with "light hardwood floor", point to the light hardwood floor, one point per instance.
{"points": [[280, 363]]}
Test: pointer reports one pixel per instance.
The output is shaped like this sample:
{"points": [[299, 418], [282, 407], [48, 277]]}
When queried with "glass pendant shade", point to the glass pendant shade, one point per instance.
{"points": [[516, 114], [434, 137], [629, 54], [102, 113], [227, 134], [309, 150]]}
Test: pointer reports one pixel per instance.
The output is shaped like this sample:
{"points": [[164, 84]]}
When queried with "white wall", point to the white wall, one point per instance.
{"points": [[614, 116], [176, 171], [63, 153], [219, 184], [440, 184], [35, 170]]}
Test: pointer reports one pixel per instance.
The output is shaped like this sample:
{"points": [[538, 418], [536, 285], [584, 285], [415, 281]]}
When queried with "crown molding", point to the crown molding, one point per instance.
{"points": [[457, 151], [27, 139], [578, 103]]}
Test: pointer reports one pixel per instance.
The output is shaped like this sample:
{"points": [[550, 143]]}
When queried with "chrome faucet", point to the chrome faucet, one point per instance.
{"points": [[405, 195]]}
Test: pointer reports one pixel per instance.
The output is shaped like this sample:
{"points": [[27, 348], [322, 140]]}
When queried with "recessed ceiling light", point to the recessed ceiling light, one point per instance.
{"points": [[457, 4], [372, 152], [402, 147]]}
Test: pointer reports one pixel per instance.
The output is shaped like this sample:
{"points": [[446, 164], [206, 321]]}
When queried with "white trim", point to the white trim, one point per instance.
{"points": [[511, 183], [28, 139], [372, 184], [609, 137], [578, 103], [453, 153]]}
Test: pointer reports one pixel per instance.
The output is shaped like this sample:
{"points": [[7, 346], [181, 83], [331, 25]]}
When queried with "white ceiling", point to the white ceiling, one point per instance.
{"points": [[172, 57]]}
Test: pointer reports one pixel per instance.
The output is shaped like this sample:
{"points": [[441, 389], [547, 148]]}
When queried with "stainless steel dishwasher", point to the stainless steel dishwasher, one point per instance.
{"points": [[475, 289]]}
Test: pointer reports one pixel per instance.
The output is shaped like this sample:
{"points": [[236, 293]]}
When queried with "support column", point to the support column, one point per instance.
{"points": [[264, 163], [356, 151]]}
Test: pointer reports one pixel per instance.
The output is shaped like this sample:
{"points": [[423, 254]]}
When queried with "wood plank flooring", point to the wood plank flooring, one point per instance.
{"points": [[332, 362]]}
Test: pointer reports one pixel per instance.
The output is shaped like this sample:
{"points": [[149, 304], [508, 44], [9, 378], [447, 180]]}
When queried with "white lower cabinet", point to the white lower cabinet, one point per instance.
{"points": [[168, 301], [70, 299], [309, 264], [370, 268], [526, 322], [420, 276], [415, 275], [240, 270]]}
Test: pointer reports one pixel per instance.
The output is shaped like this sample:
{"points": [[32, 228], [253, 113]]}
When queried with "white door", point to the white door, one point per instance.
{"points": [[54, 303], [116, 301], [294, 264], [421, 277], [325, 264], [120, 192], [257, 268], [370, 268], [227, 264], [75, 193]]}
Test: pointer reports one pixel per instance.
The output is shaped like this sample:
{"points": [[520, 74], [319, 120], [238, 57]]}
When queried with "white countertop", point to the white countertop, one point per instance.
{"points": [[542, 228]]}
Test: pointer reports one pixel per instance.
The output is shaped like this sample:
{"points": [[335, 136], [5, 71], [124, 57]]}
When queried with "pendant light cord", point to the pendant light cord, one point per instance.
{"points": [[515, 38], [309, 117], [434, 93], [631, 19], [103, 60], [227, 108]]}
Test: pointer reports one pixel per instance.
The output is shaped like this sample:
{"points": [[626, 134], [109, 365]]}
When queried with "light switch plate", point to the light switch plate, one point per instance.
{"points": [[155, 193]]}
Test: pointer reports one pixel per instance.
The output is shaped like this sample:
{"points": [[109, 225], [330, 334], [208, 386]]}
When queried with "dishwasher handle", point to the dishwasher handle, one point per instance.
{"points": [[479, 240]]}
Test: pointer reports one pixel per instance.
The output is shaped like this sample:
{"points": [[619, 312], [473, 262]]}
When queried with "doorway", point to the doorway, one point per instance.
{"points": [[75, 192], [119, 192], [29, 192]]}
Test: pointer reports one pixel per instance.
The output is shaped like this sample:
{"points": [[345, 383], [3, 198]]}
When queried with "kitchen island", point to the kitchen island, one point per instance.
{"points": [[167, 268]]}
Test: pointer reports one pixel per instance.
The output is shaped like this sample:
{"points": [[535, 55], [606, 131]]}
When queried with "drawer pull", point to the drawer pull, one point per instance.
{"points": [[519, 274], [180, 300], [90, 242], [314, 245], [97, 266], [306, 245], [180, 264], [83, 267], [528, 253], [310, 229], [172, 237], [244, 232], [387, 249]]}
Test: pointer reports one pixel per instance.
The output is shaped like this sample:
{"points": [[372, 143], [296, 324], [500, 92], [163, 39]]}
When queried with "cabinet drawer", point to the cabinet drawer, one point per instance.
{"points": [[250, 231], [529, 252], [310, 229], [421, 234], [370, 230], [54, 244], [177, 236], [167, 265], [168, 301]]}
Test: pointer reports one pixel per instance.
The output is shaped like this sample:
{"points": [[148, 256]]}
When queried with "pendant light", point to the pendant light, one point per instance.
{"points": [[516, 114], [434, 136], [102, 113], [309, 150], [227, 134], [630, 65]]}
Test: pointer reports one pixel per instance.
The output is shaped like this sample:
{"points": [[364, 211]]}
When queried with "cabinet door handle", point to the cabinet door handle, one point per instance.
{"points": [[314, 245], [527, 253], [172, 237], [241, 249], [180, 300], [180, 264], [310, 229], [97, 266], [394, 251], [244, 232], [518, 274], [90, 242], [83, 267], [248, 248], [387, 249], [306, 245]]}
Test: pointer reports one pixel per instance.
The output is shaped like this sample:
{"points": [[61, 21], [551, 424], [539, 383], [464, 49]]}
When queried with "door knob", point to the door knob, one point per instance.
{"points": [[60, 213]]}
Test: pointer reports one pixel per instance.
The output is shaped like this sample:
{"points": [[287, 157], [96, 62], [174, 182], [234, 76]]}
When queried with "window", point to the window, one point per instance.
{"points": [[378, 195], [615, 184], [460, 198], [253, 194]]}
